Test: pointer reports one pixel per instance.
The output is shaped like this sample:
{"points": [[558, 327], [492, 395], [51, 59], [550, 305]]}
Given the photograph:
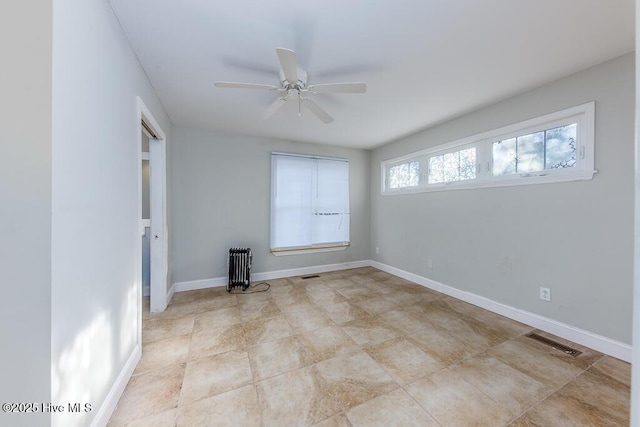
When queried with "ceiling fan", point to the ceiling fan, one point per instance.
{"points": [[294, 87]]}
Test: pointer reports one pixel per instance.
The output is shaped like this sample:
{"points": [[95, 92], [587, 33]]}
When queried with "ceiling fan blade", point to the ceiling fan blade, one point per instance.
{"points": [[245, 85], [289, 64], [338, 88], [270, 111], [317, 110]]}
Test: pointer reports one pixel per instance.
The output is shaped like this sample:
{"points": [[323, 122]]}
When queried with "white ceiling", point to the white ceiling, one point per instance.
{"points": [[424, 61]]}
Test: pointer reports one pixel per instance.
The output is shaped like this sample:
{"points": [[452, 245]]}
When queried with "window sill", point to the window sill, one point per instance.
{"points": [[499, 182], [310, 250]]}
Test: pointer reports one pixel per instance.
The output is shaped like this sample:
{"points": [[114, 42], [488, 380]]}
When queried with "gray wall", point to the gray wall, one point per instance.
{"points": [[504, 243], [96, 243], [25, 207], [221, 198]]}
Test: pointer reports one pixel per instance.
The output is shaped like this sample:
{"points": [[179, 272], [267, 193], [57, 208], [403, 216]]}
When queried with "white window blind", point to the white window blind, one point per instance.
{"points": [[309, 202]]}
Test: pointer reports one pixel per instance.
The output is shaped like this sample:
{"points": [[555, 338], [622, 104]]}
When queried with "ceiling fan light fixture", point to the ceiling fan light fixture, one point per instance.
{"points": [[294, 84]]}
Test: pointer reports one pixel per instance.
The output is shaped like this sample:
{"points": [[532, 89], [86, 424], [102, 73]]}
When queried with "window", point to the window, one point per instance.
{"points": [[404, 175], [552, 148], [549, 149], [456, 166], [309, 203]]}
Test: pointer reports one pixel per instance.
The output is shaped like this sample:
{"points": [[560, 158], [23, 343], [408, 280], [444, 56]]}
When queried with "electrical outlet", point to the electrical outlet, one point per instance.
{"points": [[377, 251], [429, 263], [545, 294]]}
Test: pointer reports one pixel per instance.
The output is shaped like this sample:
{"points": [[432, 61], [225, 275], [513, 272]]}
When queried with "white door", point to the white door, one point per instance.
{"points": [[158, 238]]}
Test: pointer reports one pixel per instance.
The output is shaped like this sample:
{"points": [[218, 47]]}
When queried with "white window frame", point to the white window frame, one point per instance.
{"points": [[583, 115]]}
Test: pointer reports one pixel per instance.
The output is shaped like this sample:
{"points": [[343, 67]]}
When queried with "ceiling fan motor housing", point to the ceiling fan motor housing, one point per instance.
{"points": [[300, 84]]}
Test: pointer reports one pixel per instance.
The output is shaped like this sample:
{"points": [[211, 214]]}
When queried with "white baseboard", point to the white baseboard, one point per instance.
{"points": [[597, 342], [193, 285], [270, 275], [172, 290], [111, 401]]}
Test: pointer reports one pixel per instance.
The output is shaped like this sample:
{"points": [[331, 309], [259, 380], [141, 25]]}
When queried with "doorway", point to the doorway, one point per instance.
{"points": [[152, 213]]}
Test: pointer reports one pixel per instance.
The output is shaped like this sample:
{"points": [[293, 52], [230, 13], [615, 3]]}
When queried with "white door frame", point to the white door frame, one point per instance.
{"points": [[158, 211]]}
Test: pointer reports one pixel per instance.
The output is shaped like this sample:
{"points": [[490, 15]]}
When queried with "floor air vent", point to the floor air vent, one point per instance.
{"points": [[311, 276], [556, 345]]}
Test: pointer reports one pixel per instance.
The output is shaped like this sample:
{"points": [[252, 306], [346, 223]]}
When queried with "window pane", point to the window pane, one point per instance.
{"points": [[561, 147], [330, 206], [456, 166], [291, 203], [404, 175], [504, 157], [530, 151], [468, 163], [436, 169], [451, 167]]}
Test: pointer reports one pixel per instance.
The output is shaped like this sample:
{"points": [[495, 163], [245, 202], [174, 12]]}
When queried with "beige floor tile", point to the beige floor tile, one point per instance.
{"points": [[443, 345], [162, 419], [402, 321], [339, 420], [355, 293], [380, 275], [510, 328], [308, 319], [593, 389], [590, 400], [177, 309], [179, 297], [505, 385], [376, 305], [465, 327], [259, 310], [159, 329], [401, 298], [349, 380], [253, 297], [453, 402], [614, 368], [369, 332], [235, 408], [163, 353], [293, 399], [394, 409], [290, 296], [217, 302], [266, 330], [214, 375], [325, 297], [403, 360], [149, 394], [344, 282], [218, 338], [277, 357], [344, 312], [328, 342], [526, 357], [224, 317]]}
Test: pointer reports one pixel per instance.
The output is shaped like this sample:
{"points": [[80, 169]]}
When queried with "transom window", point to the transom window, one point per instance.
{"points": [[552, 148]]}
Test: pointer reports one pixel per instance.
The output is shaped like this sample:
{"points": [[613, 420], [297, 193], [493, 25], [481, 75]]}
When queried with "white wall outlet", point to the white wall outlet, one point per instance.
{"points": [[545, 294], [377, 251], [429, 263]]}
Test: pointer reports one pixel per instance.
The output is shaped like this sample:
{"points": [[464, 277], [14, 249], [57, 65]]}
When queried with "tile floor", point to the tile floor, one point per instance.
{"points": [[359, 348]]}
